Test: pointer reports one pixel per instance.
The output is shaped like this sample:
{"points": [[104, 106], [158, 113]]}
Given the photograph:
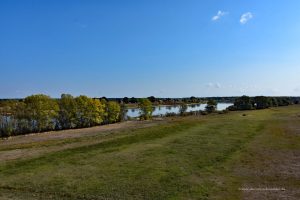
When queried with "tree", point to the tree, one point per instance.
{"points": [[67, 111], [283, 101], [125, 100], [104, 98], [90, 112], [185, 100], [211, 106], [146, 109], [183, 108], [152, 99], [22, 116], [193, 99], [273, 102], [243, 103], [41, 112], [6, 121], [123, 112], [133, 100], [262, 102], [98, 113], [113, 112]]}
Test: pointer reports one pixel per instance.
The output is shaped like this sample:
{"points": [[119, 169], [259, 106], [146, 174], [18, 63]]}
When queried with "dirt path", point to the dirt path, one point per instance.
{"points": [[36, 144], [74, 133]]}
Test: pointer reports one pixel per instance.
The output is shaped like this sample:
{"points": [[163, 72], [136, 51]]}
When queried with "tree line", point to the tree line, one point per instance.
{"points": [[193, 99], [39, 113], [261, 102], [156, 100]]}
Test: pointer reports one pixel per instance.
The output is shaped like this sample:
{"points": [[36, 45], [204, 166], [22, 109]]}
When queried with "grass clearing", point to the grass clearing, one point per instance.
{"points": [[207, 157]]}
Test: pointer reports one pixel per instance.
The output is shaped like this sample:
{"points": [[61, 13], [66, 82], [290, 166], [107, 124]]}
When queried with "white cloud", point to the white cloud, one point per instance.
{"points": [[219, 15], [213, 85], [246, 17]]}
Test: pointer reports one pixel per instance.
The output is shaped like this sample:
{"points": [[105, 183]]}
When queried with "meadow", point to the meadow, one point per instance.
{"points": [[218, 156]]}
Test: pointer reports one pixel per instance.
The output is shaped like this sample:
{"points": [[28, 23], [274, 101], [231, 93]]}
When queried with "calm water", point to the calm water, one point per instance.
{"points": [[162, 110]]}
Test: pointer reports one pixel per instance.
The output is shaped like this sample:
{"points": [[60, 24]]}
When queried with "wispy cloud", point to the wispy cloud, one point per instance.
{"points": [[246, 17], [219, 15], [213, 85]]}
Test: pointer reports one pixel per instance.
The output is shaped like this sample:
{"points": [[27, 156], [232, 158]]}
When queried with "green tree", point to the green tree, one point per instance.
{"points": [[211, 106], [90, 112], [283, 101], [41, 111], [262, 102], [183, 108], [193, 99], [6, 118], [243, 103], [125, 100], [152, 99], [274, 102], [133, 100], [113, 112], [103, 98], [99, 111], [22, 116], [146, 109], [67, 111]]}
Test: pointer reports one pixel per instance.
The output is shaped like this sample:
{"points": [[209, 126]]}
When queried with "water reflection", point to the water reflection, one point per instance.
{"points": [[162, 110]]}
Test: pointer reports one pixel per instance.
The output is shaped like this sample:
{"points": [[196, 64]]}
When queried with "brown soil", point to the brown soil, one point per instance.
{"points": [[273, 172], [33, 141]]}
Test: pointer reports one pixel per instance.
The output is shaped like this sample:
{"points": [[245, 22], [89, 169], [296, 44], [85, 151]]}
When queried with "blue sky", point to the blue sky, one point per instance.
{"points": [[165, 48]]}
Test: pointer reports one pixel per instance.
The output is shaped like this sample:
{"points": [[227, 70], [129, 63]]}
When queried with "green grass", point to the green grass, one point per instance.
{"points": [[186, 158]]}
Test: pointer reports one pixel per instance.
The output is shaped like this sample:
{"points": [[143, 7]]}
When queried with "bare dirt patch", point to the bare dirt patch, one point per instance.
{"points": [[74, 133], [271, 169], [33, 141]]}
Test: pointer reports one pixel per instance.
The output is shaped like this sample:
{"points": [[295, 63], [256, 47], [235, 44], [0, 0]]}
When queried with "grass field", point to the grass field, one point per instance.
{"points": [[207, 157]]}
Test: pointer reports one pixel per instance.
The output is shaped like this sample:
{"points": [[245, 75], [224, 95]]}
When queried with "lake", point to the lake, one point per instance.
{"points": [[164, 109]]}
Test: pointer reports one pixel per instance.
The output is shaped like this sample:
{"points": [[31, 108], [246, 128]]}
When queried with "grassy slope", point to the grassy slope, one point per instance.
{"points": [[187, 158]]}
